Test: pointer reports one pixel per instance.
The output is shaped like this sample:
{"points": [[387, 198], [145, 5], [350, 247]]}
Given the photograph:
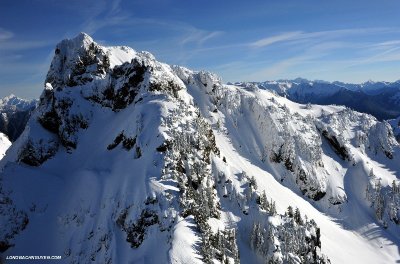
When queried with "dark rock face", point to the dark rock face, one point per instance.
{"points": [[35, 153], [334, 143], [136, 232], [127, 143], [302, 179], [131, 75]]}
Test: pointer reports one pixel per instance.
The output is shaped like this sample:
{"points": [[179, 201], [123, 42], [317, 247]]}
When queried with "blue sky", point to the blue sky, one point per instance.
{"points": [[351, 41]]}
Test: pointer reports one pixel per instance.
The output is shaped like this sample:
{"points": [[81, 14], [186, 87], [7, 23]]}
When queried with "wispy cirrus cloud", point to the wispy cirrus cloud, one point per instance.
{"points": [[319, 51], [199, 37], [387, 43], [18, 45], [387, 55], [277, 38], [104, 14], [179, 38], [20, 74], [5, 34], [318, 35], [9, 42]]}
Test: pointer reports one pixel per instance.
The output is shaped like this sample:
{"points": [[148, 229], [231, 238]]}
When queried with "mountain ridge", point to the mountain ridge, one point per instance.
{"points": [[380, 99], [205, 172]]}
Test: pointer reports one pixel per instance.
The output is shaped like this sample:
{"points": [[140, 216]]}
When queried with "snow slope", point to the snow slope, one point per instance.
{"points": [[4, 144], [129, 160], [345, 179]]}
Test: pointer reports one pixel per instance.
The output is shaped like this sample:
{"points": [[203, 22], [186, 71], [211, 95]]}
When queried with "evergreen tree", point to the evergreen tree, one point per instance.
{"points": [[272, 209], [297, 217], [290, 211], [371, 173], [255, 237], [206, 248], [263, 201], [395, 188], [253, 183]]}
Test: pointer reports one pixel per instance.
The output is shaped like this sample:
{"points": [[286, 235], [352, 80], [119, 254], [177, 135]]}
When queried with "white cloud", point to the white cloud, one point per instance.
{"points": [[103, 14], [8, 42], [197, 36], [318, 36], [277, 38]]}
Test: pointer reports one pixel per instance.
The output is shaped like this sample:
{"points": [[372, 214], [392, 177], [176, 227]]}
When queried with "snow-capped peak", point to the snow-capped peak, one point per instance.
{"points": [[12, 101], [125, 154], [82, 40]]}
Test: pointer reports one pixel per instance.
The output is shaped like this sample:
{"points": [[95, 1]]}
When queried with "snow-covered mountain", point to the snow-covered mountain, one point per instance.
{"points": [[129, 160], [380, 99], [15, 103], [14, 114]]}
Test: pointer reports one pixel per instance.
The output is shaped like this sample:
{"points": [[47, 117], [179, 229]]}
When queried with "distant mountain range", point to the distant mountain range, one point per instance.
{"points": [[14, 114], [380, 99]]}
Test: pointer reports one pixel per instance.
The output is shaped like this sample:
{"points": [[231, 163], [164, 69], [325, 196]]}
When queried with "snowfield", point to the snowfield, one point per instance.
{"points": [[129, 160], [4, 144]]}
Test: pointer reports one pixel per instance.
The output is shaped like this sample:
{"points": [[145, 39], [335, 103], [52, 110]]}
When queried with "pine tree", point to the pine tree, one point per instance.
{"points": [[379, 206], [242, 176], [105, 63], [263, 202], [368, 192], [290, 211], [206, 248], [371, 173], [226, 261], [297, 217], [272, 209], [255, 237], [394, 187], [253, 183]]}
